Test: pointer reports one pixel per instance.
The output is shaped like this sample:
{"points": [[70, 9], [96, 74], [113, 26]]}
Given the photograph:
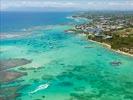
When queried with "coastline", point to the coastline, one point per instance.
{"points": [[109, 47], [105, 45]]}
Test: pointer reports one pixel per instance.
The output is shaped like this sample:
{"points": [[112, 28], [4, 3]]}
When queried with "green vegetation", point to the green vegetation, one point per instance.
{"points": [[123, 42], [120, 42]]}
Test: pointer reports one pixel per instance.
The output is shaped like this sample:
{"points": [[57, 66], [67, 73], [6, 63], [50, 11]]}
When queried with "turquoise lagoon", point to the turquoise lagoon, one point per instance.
{"points": [[74, 68]]}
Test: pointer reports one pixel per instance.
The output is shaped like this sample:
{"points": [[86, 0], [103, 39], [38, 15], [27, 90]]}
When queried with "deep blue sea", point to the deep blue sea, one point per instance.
{"points": [[14, 21]]}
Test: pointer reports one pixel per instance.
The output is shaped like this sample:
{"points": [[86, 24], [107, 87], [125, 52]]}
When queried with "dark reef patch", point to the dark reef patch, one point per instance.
{"points": [[84, 96], [10, 93], [66, 84], [9, 76], [116, 63], [79, 88], [10, 63], [47, 77], [11, 97]]}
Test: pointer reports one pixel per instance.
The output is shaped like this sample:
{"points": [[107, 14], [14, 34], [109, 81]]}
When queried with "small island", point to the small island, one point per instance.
{"points": [[113, 29]]}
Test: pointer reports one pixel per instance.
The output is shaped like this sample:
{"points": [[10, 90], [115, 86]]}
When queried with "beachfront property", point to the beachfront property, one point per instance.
{"points": [[106, 27]]}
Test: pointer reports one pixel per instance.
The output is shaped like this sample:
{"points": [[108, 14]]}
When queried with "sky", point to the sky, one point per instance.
{"points": [[65, 5]]}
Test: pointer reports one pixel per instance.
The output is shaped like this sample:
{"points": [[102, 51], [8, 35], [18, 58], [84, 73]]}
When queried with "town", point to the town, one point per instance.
{"points": [[114, 29]]}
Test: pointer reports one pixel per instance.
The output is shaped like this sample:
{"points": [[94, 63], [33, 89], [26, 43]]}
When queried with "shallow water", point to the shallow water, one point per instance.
{"points": [[72, 71]]}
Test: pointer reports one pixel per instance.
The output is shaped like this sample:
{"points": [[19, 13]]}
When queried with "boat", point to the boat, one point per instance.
{"points": [[41, 87]]}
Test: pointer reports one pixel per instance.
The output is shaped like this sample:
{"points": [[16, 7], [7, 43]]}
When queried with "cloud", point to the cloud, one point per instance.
{"points": [[66, 4], [125, 3], [35, 4]]}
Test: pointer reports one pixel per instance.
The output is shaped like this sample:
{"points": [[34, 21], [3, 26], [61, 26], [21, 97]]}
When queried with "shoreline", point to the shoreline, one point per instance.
{"points": [[105, 45], [109, 47]]}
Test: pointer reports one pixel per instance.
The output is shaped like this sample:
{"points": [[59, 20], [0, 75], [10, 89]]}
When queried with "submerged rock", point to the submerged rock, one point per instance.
{"points": [[128, 96], [47, 77], [79, 89], [83, 96], [66, 84], [43, 96], [8, 90], [88, 47], [10, 93], [115, 63], [25, 69], [9, 63], [35, 80], [65, 75], [9, 76], [11, 97]]}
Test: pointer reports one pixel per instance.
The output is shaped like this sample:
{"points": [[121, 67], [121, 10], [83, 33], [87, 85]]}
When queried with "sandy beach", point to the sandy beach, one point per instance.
{"points": [[109, 47]]}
